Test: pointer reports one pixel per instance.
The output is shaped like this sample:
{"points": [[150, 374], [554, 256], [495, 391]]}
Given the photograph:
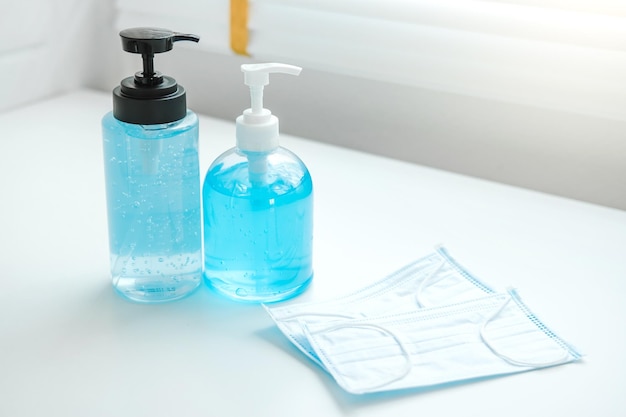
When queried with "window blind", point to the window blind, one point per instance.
{"points": [[563, 54]]}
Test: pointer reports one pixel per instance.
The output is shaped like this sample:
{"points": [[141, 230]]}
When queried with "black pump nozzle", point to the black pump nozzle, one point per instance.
{"points": [[150, 97], [150, 41]]}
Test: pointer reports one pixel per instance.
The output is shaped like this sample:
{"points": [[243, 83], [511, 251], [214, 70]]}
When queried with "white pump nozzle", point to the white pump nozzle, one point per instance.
{"points": [[257, 129], [256, 76]]}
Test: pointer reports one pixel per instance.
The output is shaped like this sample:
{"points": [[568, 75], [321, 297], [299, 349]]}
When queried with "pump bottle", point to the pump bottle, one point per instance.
{"points": [[258, 207], [152, 178]]}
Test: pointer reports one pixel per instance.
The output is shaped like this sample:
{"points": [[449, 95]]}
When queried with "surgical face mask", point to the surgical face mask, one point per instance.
{"points": [[436, 279], [492, 335]]}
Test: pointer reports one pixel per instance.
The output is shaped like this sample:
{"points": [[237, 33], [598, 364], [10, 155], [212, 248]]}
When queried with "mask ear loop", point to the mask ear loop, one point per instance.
{"points": [[508, 359], [405, 353], [418, 293]]}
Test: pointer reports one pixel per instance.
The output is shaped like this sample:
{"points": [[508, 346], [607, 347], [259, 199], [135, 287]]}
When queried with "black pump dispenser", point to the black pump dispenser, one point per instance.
{"points": [[149, 97]]}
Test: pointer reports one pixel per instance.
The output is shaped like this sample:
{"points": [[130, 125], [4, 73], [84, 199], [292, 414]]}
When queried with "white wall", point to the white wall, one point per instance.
{"points": [[72, 43], [50, 46]]}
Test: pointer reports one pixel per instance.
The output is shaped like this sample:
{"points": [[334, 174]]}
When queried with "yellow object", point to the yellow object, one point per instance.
{"points": [[239, 26]]}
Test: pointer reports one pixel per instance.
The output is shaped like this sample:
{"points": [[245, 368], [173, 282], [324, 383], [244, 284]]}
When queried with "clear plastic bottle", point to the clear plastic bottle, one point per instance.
{"points": [[150, 144], [153, 195], [258, 210]]}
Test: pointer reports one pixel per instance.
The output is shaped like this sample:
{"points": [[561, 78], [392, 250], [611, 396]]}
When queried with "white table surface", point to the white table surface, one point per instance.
{"points": [[70, 347]]}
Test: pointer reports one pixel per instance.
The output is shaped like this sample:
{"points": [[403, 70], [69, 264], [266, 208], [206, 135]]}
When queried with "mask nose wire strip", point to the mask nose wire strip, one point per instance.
{"points": [[295, 316], [418, 293], [405, 353], [509, 359]]}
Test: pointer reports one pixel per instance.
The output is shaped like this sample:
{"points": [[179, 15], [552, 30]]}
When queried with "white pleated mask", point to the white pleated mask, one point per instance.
{"points": [[434, 280], [493, 335]]}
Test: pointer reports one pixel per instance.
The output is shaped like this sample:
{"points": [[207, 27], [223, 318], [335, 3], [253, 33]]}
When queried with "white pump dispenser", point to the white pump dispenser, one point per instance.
{"points": [[257, 128]]}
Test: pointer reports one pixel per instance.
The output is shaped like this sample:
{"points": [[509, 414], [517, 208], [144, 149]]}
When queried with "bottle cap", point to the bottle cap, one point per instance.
{"points": [[150, 97]]}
